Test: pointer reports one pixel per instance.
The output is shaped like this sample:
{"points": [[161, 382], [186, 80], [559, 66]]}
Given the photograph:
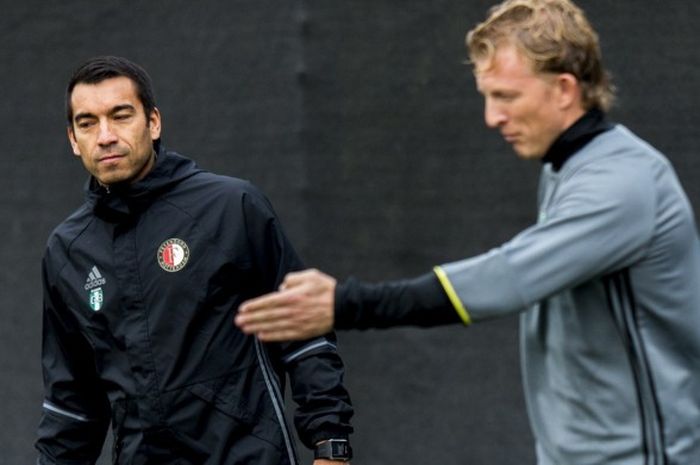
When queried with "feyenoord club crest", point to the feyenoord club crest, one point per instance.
{"points": [[173, 255]]}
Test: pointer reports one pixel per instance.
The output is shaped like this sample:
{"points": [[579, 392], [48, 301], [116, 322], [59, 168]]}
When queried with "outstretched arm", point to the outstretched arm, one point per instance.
{"points": [[311, 303]]}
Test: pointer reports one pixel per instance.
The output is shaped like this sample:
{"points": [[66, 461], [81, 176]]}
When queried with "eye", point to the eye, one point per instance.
{"points": [[85, 124], [506, 96], [122, 116]]}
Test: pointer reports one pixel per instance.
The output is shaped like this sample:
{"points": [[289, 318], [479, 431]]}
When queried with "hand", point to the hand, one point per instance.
{"points": [[329, 462], [301, 309]]}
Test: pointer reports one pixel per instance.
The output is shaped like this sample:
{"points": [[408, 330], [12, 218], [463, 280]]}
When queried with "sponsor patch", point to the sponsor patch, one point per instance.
{"points": [[93, 284], [96, 299], [94, 279]]}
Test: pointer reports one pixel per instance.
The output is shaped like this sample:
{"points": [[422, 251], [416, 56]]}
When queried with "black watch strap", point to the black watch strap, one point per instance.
{"points": [[334, 449]]}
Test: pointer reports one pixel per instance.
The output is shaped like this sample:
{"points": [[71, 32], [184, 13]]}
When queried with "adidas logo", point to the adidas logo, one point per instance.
{"points": [[94, 279]]}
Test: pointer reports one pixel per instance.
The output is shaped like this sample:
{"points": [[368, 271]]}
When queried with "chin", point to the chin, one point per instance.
{"points": [[528, 154], [112, 179], [523, 155]]}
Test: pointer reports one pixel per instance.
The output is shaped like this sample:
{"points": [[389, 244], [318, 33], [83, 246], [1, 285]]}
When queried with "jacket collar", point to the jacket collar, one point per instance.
{"points": [[121, 201], [592, 123]]}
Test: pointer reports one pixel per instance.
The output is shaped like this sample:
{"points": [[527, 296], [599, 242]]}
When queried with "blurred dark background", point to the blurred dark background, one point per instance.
{"points": [[361, 123]]}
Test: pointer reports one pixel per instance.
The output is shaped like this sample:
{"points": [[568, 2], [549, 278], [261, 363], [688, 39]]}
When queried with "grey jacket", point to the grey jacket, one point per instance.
{"points": [[608, 281]]}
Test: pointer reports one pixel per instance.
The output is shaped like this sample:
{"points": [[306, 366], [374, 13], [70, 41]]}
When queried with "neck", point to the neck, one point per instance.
{"points": [[578, 134]]}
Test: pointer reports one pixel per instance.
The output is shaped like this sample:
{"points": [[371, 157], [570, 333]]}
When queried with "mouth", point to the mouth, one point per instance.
{"points": [[510, 138], [110, 158]]}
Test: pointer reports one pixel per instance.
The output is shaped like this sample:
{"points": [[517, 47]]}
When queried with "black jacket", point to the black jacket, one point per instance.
{"points": [[141, 285]]}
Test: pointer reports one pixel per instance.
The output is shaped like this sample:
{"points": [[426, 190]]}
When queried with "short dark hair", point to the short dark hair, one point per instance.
{"points": [[97, 69]]}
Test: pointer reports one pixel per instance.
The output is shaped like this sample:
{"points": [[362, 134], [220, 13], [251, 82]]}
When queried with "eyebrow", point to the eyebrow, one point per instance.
{"points": [[115, 109]]}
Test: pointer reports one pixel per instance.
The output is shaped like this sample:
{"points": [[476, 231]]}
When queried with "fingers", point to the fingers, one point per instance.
{"points": [[272, 316], [281, 335], [268, 320], [258, 307], [269, 312], [281, 324]]}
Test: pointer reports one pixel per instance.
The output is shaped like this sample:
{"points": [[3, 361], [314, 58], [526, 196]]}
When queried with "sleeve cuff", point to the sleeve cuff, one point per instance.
{"points": [[452, 295]]}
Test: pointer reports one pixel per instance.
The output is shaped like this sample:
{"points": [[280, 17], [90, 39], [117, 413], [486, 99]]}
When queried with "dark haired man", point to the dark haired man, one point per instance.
{"points": [[140, 287]]}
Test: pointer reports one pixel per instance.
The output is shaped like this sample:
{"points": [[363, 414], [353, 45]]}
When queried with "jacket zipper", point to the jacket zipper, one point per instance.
{"points": [[276, 397]]}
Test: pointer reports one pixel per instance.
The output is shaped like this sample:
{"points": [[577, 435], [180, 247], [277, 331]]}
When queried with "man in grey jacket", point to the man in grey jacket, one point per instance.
{"points": [[606, 281]]}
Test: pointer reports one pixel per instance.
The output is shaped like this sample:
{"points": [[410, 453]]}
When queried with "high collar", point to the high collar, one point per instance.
{"points": [[119, 202], [592, 123]]}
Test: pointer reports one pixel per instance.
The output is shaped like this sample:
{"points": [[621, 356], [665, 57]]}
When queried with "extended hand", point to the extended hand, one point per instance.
{"points": [[301, 309]]}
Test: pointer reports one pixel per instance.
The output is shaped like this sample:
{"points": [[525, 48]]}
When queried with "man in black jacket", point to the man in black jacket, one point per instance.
{"points": [[141, 284]]}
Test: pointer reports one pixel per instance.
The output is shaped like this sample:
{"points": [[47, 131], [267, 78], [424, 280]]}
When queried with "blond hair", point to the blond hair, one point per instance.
{"points": [[554, 35]]}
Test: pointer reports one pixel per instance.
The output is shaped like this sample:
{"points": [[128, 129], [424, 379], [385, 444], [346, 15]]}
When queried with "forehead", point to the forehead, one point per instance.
{"points": [[506, 67], [104, 95]]}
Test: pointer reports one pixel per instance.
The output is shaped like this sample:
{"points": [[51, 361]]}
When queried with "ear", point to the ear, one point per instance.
{"points": [[73, 142], [569, 91], [154, 124]]}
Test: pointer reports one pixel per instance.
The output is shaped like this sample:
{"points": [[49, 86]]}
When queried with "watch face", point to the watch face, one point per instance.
{"points": [[334, 449], [340, 449]]}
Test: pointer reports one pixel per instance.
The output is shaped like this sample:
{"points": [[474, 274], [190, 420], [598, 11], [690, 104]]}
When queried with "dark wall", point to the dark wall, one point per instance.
{"points": [[361, 123]]}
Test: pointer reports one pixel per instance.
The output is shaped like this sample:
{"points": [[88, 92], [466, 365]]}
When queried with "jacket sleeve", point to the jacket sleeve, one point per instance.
{"points": [[599, 221], [420, 301], [76, 411], [314, 367]]}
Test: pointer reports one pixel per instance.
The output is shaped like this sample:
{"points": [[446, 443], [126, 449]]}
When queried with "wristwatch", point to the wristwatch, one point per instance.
{"points": [[334, 449]]}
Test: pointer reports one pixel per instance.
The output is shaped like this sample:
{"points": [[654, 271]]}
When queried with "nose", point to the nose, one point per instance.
{"points": [[106, 136], [494, 115]]}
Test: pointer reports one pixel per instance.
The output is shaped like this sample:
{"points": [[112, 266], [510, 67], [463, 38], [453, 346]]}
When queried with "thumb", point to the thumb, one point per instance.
{"points": [[296, 278]]}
